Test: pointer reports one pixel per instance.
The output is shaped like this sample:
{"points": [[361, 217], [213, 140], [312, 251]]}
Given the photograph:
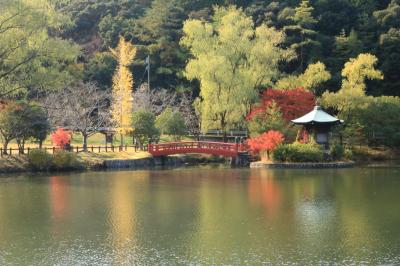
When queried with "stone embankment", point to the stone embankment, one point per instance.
{"points": [[269, 165], [144, 163]]}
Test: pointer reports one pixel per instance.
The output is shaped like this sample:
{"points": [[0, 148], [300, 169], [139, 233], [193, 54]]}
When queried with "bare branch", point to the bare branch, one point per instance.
{"points": [[155, 100], [83, 108]]}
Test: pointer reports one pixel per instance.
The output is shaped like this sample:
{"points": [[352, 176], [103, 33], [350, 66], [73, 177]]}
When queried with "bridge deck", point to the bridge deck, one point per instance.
{"points": [[215, 148]]}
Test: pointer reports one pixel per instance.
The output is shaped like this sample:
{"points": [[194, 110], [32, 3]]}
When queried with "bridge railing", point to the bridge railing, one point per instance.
{"points": [[199, 146]]}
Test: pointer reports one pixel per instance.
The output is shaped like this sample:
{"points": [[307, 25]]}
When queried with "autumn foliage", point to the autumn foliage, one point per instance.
{"points": [[61, 137], [292, 103], [266, 142]]}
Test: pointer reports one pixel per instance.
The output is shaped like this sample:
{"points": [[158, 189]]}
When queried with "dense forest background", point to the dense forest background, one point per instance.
{"points": [[212, 63], [338, 30]]}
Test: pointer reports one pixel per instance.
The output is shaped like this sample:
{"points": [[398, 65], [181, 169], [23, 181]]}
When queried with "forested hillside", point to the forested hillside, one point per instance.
{"points": [[210, 66], [333, 32], [329, 31]]}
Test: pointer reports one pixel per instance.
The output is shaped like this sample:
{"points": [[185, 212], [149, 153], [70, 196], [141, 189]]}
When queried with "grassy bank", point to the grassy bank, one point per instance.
{"points": [[93, 161], [88, 160]]}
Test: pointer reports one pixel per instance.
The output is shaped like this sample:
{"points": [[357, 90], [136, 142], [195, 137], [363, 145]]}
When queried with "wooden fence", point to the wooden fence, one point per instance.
{"points": [[97, 149]]}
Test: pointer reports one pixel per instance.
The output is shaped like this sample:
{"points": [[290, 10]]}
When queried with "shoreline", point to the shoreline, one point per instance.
{"points": [[19, 164], [304, 165]]}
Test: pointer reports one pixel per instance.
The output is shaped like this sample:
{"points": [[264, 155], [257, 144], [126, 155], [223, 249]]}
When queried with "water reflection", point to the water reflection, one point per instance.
{"points": [[59, 197], [264, 189], [207, 216], [122, 219]]}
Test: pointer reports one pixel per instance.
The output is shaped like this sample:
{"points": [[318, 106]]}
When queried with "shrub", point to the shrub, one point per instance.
{"points": [[281, 153], [64, 160], [348, 154], [336, 152], [61, 137], [39, 160], [298, 152], [266, 142]]}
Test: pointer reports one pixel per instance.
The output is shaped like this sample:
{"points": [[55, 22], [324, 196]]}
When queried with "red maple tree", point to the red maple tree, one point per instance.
{"points": [[266, 142], [292, 103], [61, 137]]}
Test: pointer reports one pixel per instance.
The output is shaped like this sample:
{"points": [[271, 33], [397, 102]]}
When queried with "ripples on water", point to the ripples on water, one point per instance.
{"points": [[202, 216]]}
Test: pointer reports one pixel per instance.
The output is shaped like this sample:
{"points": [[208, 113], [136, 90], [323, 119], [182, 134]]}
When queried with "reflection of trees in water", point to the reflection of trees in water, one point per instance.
{"points": [[224, 222], [291, 207], [169, 211], [367, 201], [149, 211], [208, 213], [59, 197], [122, 219], [265, 190]]}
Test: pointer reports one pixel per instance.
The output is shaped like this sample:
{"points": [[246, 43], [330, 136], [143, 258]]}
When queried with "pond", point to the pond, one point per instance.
{"points": [[202, 216]]}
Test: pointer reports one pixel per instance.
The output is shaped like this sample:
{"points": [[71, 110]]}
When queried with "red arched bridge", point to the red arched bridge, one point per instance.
{"points": [[215, 148]]}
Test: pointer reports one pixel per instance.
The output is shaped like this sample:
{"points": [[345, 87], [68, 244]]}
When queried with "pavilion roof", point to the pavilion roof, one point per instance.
{"points": [[317, 116]]}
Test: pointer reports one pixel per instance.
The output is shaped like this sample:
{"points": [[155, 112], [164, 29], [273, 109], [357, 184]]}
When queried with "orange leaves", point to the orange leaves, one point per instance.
{"points": [[61, 137], [266, 142]]}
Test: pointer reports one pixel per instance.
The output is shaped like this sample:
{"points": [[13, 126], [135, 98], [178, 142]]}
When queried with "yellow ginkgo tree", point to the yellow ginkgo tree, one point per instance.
{"points": [[121, 105]]}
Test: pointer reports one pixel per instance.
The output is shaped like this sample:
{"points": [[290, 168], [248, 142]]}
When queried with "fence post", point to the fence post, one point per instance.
{"points": [[1, 152], [99, 149], [54, 150], [92, 148], [112, 148], [29, 149], [77, 149], [10, 151], [106, 147]]}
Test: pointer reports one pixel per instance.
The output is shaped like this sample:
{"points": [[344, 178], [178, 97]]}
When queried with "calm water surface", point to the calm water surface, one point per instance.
{"points": [[202, 216]]}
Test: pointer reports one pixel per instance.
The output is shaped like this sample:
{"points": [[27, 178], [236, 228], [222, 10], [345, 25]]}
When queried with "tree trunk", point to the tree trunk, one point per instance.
{"points": [[223, 126], [85, 137], [21, 145], [122, 140], [40, 144], [5, 146]]}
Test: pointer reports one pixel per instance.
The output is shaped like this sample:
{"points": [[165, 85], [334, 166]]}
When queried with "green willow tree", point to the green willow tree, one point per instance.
{"points": [[231, 59], [315, 75], [352, 93], [32, 60]]}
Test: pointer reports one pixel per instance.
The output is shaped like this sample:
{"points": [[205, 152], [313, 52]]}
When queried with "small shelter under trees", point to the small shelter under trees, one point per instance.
{"points": [[318, 125]]}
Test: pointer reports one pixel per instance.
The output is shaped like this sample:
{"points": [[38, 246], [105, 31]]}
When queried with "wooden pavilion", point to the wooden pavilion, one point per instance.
{"points": [[318, 125]]}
